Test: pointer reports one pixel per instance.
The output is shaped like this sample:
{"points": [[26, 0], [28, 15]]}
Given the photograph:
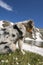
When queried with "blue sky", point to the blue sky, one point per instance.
{"points": [[20, 10]]}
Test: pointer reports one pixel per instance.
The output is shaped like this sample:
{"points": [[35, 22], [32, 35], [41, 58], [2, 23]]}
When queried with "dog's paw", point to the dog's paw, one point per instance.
{"points": [[23, 52]]}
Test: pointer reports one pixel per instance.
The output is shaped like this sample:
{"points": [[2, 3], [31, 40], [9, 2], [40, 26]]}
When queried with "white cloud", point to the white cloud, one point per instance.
{"points": [[5, 6]]}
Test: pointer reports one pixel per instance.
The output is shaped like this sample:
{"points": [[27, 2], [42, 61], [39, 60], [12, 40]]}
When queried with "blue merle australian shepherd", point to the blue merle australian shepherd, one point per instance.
{"points": [[10, 34]]}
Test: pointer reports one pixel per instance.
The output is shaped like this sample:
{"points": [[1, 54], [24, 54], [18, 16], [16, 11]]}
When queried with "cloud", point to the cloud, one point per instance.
{"points": [[5, 6]]}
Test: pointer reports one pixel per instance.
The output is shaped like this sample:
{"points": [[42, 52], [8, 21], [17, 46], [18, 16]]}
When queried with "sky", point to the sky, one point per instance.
{"points": [[21, 10]]}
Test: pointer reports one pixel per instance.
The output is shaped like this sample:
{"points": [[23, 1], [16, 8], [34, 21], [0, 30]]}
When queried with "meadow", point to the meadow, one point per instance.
{"points": [[17, 58]]}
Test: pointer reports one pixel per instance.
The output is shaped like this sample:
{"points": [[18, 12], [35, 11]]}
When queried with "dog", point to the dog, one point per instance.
{"points": [[10, 35]]}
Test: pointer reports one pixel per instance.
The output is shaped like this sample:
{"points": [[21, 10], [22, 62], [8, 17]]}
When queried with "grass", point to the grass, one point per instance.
{"points": [[17, 58]]}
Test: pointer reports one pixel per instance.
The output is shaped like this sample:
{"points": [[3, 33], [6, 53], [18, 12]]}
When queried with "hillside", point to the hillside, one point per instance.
{"points": [[41, 31]]}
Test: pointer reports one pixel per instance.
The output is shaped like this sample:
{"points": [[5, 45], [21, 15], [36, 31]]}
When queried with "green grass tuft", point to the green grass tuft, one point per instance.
{"points": [[18, 58]]}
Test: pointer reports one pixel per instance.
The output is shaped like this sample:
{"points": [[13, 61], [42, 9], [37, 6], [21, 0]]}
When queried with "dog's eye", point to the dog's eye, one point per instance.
{"points": [[13, 35], [6, 33]]}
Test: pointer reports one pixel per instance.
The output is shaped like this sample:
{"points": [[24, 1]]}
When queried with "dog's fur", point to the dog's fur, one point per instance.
{"points": [[11, 34]]}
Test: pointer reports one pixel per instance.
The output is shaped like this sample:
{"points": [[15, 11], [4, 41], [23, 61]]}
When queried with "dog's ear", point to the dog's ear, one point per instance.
{"points": [[30, 24], [17, 28], [5, 24], [20, 32]]}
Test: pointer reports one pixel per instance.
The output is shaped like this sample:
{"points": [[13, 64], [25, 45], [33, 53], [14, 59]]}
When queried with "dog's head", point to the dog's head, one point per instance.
{"points": [[29, 25], [20, 33]]}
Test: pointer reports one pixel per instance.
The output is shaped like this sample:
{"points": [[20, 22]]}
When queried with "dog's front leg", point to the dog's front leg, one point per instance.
{"points": [[20, 43]]}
